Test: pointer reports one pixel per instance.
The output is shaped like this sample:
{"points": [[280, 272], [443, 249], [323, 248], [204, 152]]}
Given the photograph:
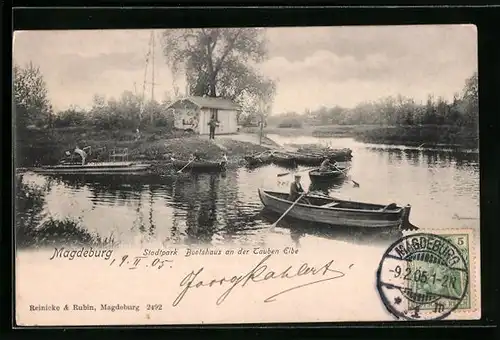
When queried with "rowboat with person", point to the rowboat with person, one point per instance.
{"points": [[325, 175], [77, 163], [336, 212], [328, 171]]}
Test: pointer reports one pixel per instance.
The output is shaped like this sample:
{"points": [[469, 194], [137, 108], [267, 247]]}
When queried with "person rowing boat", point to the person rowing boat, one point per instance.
{"points": [[326, 165], [296, 191]]}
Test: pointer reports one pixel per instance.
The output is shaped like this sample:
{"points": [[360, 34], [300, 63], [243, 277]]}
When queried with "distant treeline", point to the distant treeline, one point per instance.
{"points": [[39, 130], [33, 108], [394, 111]]}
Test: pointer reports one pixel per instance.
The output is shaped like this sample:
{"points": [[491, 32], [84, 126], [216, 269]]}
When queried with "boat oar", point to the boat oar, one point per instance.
{"points": [[356, 184], [287, 173], [185, 166], [288, 210]]}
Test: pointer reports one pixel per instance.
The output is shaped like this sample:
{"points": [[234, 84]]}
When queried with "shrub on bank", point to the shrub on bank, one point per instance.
{"points": [[290, 122]]}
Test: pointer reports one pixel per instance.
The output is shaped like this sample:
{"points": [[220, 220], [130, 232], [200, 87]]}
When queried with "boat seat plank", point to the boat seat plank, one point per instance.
{"points": [[329, 205]]}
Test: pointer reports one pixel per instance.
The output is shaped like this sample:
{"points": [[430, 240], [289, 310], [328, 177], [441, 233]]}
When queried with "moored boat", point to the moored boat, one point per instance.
{"points": [[94, 168], [307, 159], [313, 158], [311, 155], [331, 211], [258, 159], [340, 155], [283, 158], [199, 165]]}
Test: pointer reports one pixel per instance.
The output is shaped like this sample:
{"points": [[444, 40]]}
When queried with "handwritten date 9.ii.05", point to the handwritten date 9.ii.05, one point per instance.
{"points": [[140, 261]]}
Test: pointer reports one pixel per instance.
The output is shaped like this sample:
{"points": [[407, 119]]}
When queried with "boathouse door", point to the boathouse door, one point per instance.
{"points": [[205, 116]]}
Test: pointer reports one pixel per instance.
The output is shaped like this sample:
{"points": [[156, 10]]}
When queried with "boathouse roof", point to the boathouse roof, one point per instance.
{"points": [[210, 103]]}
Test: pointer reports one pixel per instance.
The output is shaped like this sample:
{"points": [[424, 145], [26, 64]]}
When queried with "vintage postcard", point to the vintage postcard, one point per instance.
{"points": [[246, 175]]}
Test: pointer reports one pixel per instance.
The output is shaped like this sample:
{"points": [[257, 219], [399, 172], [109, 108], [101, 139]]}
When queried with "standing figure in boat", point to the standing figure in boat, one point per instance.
{"points": [[295, 189], [81, 153]]}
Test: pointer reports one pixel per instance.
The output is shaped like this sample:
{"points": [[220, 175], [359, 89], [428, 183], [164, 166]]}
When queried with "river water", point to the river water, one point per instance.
{"points": [[225, 208]]}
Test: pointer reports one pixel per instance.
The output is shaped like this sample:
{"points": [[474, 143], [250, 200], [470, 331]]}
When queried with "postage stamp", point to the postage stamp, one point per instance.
{"points": [[246, 175], [426, 276]]}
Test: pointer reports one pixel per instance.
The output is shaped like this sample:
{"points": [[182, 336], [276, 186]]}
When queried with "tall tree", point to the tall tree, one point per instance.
{"points": [[30, 96], [471, 99], [221, 62]]}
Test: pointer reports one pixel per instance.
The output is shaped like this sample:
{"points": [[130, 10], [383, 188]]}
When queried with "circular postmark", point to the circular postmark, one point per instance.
{"points": [[422, 277]]}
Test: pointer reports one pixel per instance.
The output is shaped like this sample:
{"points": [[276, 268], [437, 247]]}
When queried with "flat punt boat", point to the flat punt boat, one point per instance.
{"points": [[331, 211], [199, 165], [97, 168]]}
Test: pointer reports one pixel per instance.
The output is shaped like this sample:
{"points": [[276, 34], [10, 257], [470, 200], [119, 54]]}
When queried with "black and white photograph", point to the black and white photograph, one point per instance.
{"points": [[242, 165]]}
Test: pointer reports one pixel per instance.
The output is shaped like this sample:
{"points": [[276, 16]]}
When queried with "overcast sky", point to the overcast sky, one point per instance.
{"points": [[313, 67]]}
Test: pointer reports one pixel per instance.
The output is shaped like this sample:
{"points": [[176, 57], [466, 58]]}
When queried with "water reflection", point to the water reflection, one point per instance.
{"points": [[202, 211], [394, 155], [192, 209], [325, 187], [429, 157], [225, 208], [364, 236]]}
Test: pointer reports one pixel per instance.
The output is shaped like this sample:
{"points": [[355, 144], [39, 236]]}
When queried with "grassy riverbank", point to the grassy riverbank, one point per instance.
{"points": [[48, 147], [316, 131], [429, 136], [409, 135]]}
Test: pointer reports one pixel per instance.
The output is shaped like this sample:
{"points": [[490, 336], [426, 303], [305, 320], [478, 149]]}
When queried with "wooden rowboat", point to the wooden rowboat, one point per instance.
{"points": [[318, 174], [199, 166], [94, 168], [331, 211]]}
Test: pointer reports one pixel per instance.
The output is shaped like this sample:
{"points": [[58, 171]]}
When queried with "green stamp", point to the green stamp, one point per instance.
{"points": [[430, 272], [442, 280]]}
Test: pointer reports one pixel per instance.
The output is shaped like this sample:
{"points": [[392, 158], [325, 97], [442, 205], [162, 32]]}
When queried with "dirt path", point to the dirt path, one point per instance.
{"points": [[247, 137]]}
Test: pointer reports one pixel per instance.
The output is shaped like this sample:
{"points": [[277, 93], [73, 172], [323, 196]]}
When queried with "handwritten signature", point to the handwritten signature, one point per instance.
{"points": [[259, 273]]}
